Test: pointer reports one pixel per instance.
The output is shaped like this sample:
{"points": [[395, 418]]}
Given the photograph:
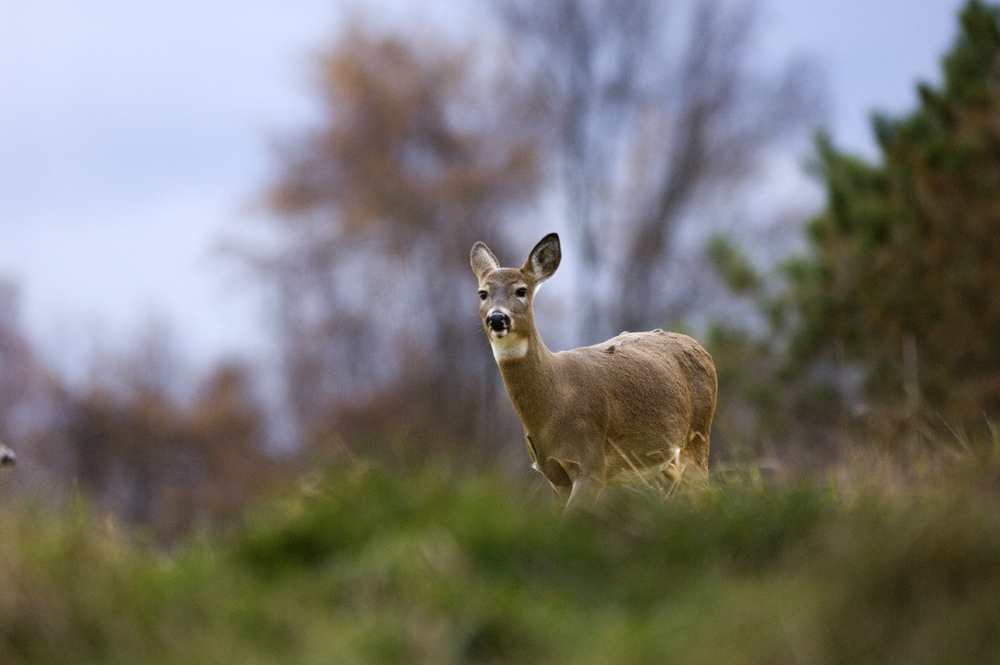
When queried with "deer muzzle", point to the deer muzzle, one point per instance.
{"points": [[498, 321]]}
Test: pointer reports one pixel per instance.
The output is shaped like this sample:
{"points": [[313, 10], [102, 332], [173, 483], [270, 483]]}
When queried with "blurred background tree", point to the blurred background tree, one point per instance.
{"points": [[421, 150], [890, 321], [655, 111], [143, 439], [151, 454]]}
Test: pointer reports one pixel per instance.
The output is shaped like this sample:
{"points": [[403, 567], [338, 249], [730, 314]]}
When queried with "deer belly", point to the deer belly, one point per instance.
{"points": [[626, 466]]}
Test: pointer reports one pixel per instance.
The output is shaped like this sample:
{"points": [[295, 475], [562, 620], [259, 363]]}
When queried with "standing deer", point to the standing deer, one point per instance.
{"points": [[637, 407], [7, 457]]}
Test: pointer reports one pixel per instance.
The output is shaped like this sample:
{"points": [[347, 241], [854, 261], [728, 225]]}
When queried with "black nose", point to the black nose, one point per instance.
{"points": [[7, 458], [498, 321]]}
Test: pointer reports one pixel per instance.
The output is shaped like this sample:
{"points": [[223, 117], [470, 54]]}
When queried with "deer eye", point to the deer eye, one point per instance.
{"points": [[521, 292], [483, 295]]}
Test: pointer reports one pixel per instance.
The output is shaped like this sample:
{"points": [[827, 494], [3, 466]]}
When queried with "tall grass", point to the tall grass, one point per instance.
{"points": [[878, 562]]}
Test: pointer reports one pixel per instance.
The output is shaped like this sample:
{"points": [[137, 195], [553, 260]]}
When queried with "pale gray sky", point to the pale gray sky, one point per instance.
{"points": [[134, 133]]}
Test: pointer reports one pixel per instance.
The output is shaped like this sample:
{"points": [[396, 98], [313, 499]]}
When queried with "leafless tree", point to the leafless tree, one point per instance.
{"points": [[419, 155], [149, 457], [654, 107]]}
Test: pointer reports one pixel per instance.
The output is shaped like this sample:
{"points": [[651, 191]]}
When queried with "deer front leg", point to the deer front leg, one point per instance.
{"points": [[584, 489], [561, 495], [578, 496], [584, 493]]}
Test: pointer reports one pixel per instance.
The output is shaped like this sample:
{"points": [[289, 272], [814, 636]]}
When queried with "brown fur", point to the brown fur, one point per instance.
{"points": [[640, 404]]}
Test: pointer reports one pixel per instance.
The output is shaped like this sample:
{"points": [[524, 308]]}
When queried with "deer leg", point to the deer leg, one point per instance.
{"points": [[696, 449], [584, 493], [572, 486], [585, 487], [561, 495]]}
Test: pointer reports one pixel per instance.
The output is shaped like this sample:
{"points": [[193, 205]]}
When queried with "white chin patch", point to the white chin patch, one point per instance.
{"points": [[508, 348]]}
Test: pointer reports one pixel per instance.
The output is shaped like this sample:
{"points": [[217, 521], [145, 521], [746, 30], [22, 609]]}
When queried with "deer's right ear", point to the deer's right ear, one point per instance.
{"points": [[544, 258], [483, 260]]}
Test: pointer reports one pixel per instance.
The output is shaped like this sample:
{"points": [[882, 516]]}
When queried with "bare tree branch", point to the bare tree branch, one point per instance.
{"points": [[652, 105]]}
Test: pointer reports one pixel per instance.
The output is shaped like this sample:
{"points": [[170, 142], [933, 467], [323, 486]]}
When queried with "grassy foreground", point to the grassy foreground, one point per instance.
{"points": [[367, 566]]}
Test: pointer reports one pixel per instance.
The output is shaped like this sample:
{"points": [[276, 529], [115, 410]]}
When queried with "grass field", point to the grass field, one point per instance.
{"points": [[873, 563]]}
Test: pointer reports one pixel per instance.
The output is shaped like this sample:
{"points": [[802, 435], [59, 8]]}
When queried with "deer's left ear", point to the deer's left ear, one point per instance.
{"points": [[544, 258], [483, 260]]}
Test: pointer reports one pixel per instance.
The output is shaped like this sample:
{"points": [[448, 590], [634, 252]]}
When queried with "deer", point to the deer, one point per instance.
{"points": [[636, 408], [7, 457]]}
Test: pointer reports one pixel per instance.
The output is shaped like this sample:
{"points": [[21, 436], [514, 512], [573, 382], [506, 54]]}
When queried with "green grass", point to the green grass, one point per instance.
{"points": [[368, 566]]}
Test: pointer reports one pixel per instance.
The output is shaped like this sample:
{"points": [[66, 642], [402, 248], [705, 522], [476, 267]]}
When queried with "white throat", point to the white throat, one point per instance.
{"points": [[508, 347]]}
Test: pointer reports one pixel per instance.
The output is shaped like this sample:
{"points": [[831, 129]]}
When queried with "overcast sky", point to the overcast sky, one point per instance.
{"points": [[133, 134]]}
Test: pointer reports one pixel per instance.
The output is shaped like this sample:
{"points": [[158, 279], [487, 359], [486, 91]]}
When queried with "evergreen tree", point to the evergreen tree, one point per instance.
{"points": [[893, 310], [903, 268]]}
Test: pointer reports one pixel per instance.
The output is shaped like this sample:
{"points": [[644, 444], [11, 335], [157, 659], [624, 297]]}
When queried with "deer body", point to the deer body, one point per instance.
{"points": [[636, 406]]}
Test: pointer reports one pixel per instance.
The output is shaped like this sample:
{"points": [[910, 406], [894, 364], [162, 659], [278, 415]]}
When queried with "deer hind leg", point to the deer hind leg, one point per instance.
{"points": [[672, 472], [694, 458], [696, 449], [685, 469]]}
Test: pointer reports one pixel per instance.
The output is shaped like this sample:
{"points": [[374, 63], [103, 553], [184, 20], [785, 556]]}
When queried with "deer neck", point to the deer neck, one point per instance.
{"points": [[528, 374]]}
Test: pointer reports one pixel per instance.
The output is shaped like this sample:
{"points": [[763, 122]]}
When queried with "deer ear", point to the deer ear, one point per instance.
{"points": [[483, 260], [544, 258]]}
